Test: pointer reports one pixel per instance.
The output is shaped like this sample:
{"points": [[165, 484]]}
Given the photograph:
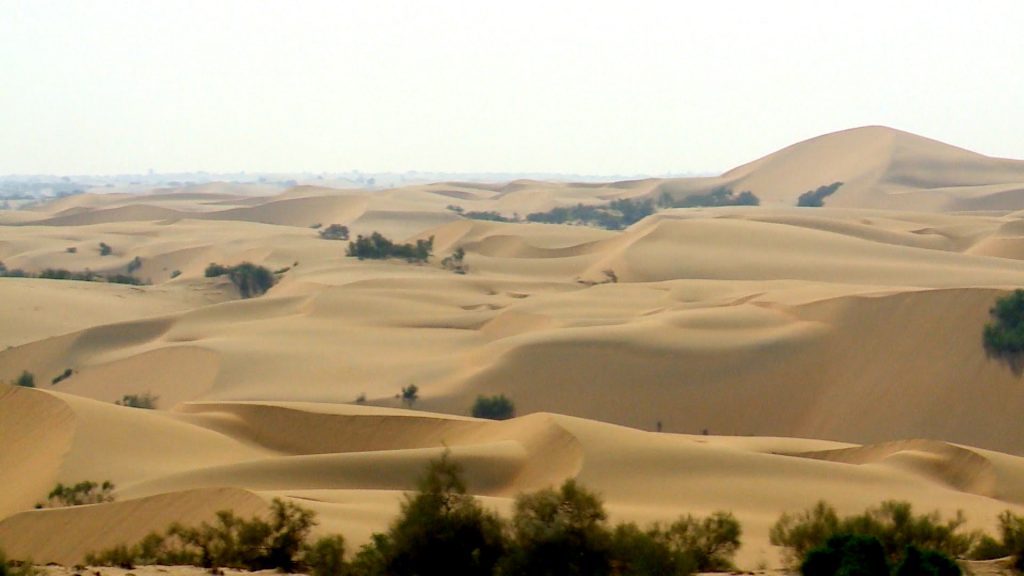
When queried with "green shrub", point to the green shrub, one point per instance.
{"points": [[26, 379], [710, 542], [124, 279], [250, 279], [105, 249], [175, 274], [1004, 334], [720, 196], [816, 198], [134, 265], [846, 555], [455, 262], [615, 215], [494, 407], [489, 216], [62, 376], [144, 400], [335, 232], [326, 556], [637, 552], [410, 394], [917, 562], [215, 270], [85, 492], [378, 247], [893, 523]]}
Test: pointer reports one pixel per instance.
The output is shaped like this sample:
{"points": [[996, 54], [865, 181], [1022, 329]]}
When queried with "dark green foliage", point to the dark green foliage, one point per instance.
{"points": [[377, 247], [372, 559], [615, 215], [250, 279], [71, 250], [494, 407], [1011, 533], [441, 530], [335, 232], [326, 556], [893, 523], [720, 196], [1004, 334], [145, 400], [62, 376], [409, 395], [55, 274], [710, 542], [26, 379], [175, 274], [846, 555], [560, 532], [214, 270], [230, 542], [637, 552], [134, 265], [489, 216], [105, 249], [816, 198], [455, 208], [918, 562], [988, 548], [86, 492]]}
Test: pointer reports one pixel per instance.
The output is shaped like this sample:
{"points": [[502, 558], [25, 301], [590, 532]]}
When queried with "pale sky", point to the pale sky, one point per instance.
{"points": [[637, 87]]}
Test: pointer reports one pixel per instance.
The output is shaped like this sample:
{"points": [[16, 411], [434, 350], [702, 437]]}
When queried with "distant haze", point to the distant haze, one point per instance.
{"points": [[94, 87]]}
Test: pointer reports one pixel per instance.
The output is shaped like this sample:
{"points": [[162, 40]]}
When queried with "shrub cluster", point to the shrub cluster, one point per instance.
{"points": [[494, 407], [456, 262], [335, 232], [144, 400], [615, 215], [1004, 334], [721, 196], [490, 216], [816, 198], [377, 247], [84, 276], [86, 492], [819, 538], [251, 280], [26, 380]]}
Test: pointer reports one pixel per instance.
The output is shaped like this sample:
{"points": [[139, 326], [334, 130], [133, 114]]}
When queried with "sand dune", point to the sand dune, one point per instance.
{"points": [[788, 354]]}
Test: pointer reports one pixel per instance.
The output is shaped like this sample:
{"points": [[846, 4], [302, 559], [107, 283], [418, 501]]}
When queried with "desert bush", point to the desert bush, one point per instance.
{"points": [[494, 407], [710, 542], [85, 492], [918, 562], [335, 232], [1011, 533], [62, 376], [636, 552], [105, 249], [720, 196], [26, 380], [1004, 334], [893, 523], [559, 532], [409, 395], [488, 215], [124, 279], [615, 215], [441, 529], [134, 265], [847, 555], [378, 247], [145, 400], [215, 270], [455, 262], [250, 279], [71, 250], [326, 556], [816, 198], [55, 274], [175, 274]]}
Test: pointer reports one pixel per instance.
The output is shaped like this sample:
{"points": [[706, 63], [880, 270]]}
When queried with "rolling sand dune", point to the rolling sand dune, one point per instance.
{"points": [[787, 354]]}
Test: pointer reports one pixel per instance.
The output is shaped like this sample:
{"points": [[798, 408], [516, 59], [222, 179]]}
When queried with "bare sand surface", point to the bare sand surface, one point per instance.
{"points": [[787, 354]]}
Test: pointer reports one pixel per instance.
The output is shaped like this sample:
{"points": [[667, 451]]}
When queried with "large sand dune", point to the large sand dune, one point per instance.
{"points": [[827, 353]]}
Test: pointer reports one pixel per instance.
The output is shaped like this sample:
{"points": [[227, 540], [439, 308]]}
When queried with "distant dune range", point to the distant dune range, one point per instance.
{"points": [[857, 325]]}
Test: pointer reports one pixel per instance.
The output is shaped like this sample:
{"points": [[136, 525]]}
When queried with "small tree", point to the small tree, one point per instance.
{"points": [[25, 379], [494, 407], [410, 394], [105, 249], [85, 492], [144, 400], [326, 556], [711, 542]]}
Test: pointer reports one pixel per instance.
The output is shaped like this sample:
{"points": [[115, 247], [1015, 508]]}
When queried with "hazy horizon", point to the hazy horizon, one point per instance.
{"points": [[647, 88]]}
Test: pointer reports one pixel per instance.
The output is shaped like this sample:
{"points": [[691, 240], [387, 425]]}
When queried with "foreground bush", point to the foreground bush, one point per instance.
{"points": [[1004, 334], [893, 524], [230, 542]]}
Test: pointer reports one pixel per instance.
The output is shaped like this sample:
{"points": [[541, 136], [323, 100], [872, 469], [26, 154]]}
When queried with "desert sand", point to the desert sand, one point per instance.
{"points": [[788, 354]]}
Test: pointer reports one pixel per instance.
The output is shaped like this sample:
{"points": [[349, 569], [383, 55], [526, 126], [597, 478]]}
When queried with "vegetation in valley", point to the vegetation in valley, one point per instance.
{"points": [[26, 380], [377, 247], [82, 276], [251, 279], [85, 492], [816, 198], [145, 400], [334, 232], [614, 215], [456, 262], [1003, 335], [720, 196]]}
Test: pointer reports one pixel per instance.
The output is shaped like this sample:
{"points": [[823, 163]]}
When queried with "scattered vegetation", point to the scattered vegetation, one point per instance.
{"points": [[251, 279], [377, 247], [489, 216], [82, 276], [62, 376], [335, 232], [820, 537], [105, 249], [175, 274], [134, 265], [494, 407], [1003, 336], [124, 279], [409, 395], [86, 492], [615, 215], [26, 380], [456, 262], [145, 400], [721, 196], [71, 250], [816, 198]]}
